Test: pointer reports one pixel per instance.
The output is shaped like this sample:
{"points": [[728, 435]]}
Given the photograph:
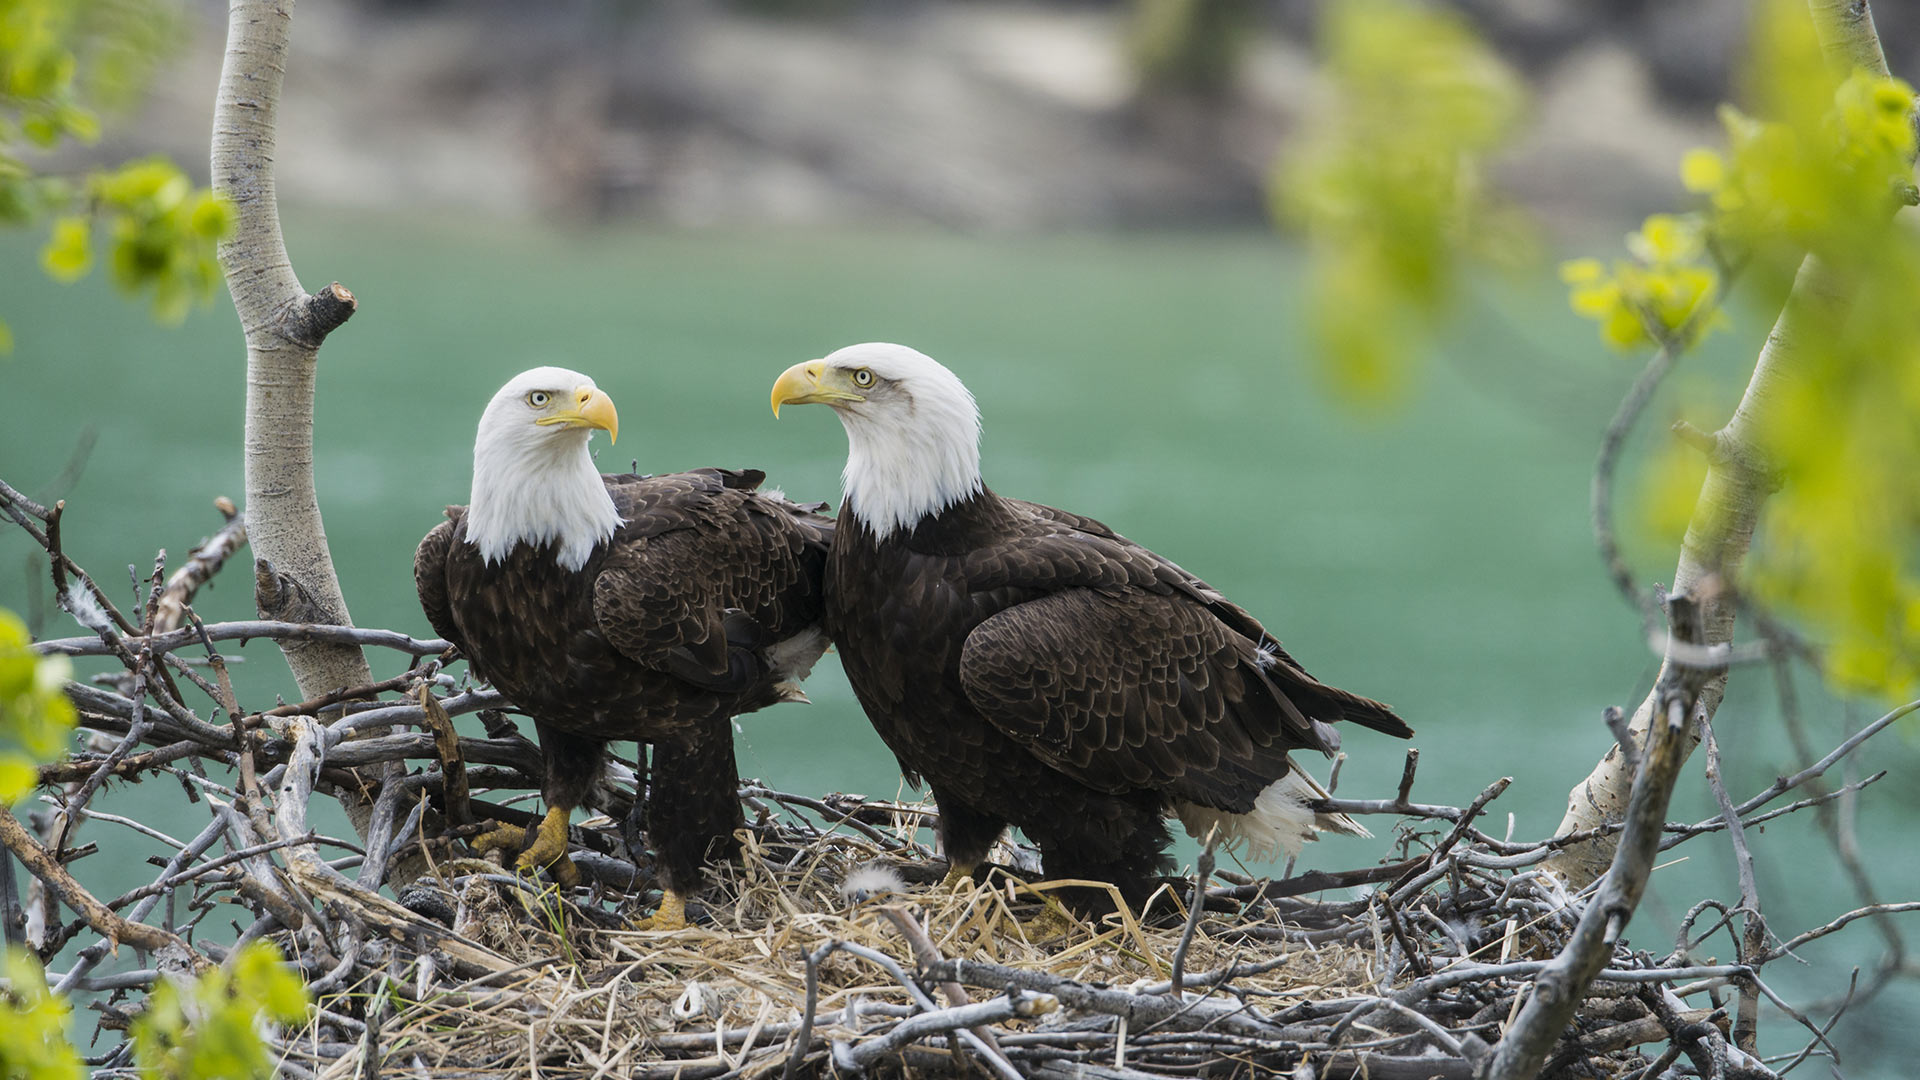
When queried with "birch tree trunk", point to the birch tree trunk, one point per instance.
{"points": [[294, 579], [1738, 482]]}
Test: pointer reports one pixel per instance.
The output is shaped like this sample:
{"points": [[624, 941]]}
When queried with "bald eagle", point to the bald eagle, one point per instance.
{"points": [[1037, 668], [653, 608]]}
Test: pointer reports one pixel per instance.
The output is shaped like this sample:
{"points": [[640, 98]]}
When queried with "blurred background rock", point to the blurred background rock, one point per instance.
{"points": [[969, 115]]}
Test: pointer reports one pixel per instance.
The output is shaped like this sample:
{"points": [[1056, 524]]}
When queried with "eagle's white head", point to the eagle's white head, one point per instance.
{"points": [[913, 430], [534, 481]]}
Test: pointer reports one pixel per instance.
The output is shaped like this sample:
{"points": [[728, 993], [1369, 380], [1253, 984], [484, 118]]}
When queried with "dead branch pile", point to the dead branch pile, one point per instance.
{"points": [[828, 949]]}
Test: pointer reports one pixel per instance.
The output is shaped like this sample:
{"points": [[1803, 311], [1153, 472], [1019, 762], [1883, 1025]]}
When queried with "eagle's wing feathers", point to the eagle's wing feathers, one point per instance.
{"points": [[430, 576], [1133, 690], [1098, 556], [1126, 671], [658, 618], [706, 574]]}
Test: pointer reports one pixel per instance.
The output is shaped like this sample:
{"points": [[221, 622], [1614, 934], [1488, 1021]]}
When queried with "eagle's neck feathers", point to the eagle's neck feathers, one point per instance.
{"points": [[907, 465], [535, 486]]}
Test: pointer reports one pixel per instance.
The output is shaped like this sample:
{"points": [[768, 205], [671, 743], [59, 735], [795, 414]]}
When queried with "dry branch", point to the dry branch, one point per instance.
{"points": [[1560, 987], [170, 611], [39, 862]]}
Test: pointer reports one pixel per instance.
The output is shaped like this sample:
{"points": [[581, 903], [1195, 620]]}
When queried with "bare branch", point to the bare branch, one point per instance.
{"points": [[41, 864], [202, 563], [1557, 991], [246, 631]]}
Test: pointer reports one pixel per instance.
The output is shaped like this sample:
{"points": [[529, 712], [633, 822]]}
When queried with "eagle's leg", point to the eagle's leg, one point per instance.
{"points": [[693, 813], [573, 764], [1117, 839], [958, 877], [966, 835], [670, 915]]}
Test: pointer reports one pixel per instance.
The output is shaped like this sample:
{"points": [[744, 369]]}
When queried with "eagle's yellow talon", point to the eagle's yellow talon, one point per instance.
{"points": [[548, 850], [670, 915], [959, 878], [549, 840], [1049, 924], [504, 838]]}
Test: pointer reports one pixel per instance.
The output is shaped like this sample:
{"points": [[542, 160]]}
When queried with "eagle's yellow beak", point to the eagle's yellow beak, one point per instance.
{"points": [[809, 383], [591, 409]]}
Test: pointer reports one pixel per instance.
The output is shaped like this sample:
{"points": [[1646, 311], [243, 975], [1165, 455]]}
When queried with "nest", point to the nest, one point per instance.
{"points": [[790, 972]]}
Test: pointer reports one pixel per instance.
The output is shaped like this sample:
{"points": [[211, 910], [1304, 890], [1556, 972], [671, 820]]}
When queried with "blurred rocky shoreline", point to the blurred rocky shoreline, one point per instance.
{"points": [[991, 116]]}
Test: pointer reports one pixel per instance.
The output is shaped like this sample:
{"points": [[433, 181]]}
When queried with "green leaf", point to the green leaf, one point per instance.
{"points": [[34, 1021], [1386, 184], [211, 217], [69, 251], [214, 1029], [35, 715], [18, 776]]}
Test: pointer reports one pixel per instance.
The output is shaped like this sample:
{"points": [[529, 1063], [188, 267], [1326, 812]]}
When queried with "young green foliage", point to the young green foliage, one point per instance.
{"points": [[34, 1023], [1820, 167], [35, 715], [1388, 183], [212, 1027], [60, 62], [1662, 295]]}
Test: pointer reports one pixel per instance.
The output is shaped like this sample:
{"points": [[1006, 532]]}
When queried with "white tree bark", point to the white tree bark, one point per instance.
{"points": [[284, 326], [1737, 484]]}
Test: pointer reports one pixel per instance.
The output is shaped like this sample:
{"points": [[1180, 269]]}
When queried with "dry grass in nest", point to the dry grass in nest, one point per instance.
{"points": [[729, 994]]}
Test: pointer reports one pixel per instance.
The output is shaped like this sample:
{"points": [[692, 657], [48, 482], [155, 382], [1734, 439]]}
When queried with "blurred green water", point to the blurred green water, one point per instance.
{"points": [[1437, 557]]}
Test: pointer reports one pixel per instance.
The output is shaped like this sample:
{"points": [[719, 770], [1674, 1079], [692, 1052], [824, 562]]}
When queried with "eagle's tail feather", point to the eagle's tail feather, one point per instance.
{"points": [[1368, 713], [1281, 821]]}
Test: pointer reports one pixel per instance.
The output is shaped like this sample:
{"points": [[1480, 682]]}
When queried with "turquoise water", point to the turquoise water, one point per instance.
{"points": [[1436, 556]]}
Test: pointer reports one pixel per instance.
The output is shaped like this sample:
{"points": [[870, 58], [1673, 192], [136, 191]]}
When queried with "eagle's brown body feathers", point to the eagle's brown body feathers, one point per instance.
{"points": [[664, 635], [1040, 670]]}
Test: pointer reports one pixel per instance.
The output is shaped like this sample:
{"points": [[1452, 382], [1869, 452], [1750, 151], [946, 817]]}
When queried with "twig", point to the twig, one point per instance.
{"points": [[79, 768], [1140, 1010], [13, 918], [453, 768], [1600, 495], [1557, 991], [1852, 743], [1203, 869], [1853, 983], [250, 630], [116, 929], [76, 804], [803, 1040], [1460, 828], [1753, 936], [202, 563], [1786, 947], [1021, 1004]]}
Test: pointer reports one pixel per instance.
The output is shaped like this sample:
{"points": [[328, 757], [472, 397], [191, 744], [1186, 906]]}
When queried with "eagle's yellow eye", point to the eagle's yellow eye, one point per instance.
{"points": [[539, 398], [862, 378]]}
